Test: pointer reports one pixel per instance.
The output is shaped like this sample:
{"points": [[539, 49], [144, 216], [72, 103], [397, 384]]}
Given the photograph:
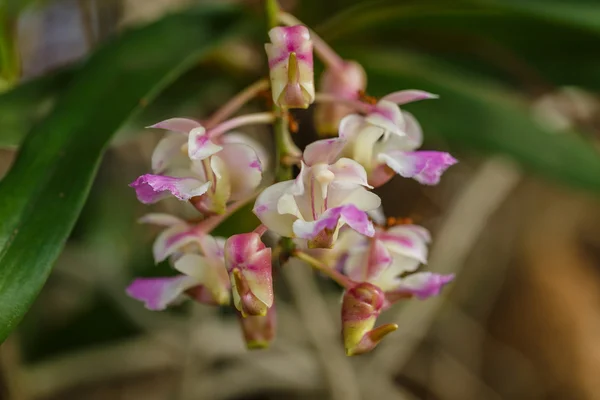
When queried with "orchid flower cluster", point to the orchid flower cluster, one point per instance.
{"points": [[326, 216]]}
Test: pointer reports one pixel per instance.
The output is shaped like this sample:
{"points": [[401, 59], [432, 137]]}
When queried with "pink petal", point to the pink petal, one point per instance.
{"points": [[181, 125], [200, 146], [325, 151], [422, 284], [425, 167], [158, 293], [408, 96], [328, 222], [152, 188]]}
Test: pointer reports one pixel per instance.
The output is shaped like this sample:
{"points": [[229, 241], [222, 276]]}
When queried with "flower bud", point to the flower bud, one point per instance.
{"points": [[258, 330], [361, 306], [248, 262], [345, 83], [291, 66]]}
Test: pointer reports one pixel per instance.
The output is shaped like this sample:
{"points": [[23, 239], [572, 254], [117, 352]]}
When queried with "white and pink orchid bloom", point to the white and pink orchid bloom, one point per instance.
{"points": [[248, 262], [345, 82], [389, 260], [290, 55], [215, 171], [385, 139], [328, 193], [203, 278]]}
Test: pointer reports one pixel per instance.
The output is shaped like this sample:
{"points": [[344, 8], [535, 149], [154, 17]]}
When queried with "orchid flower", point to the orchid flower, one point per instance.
{"points": [[291, 66], [385, 139], [203, 278], [389, 260], [214, 172], [328, 193]]}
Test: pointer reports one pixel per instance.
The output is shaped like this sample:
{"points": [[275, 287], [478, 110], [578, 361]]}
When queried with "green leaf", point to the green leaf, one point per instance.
{"points": [[27, 103], [42, 195], [536, 43], [473, 114]]}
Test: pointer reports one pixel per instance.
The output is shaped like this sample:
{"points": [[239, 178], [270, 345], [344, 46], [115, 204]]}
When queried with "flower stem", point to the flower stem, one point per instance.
{"points": [[272, 8], [234, 104], [323, 50], [340, 279], [284, 147], [261, 229], [249, 119]]}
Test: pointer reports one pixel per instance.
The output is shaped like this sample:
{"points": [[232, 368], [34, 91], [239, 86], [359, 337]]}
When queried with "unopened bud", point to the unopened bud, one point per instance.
{"points": [[345, 83], [291, 66], [248, 261], [361, 306]]}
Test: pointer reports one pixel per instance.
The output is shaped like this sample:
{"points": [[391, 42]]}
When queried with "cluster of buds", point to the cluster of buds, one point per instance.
{"points": [[326, 209]]}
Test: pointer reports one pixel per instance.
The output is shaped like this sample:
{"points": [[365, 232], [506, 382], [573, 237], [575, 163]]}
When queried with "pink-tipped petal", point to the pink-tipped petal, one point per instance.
{"points": [[408, 96], [200, 146], [167, 150], [325, 151], [158, 293], [422, 285], [425, 167], [181, 125], [152, 188], [330, 221]]}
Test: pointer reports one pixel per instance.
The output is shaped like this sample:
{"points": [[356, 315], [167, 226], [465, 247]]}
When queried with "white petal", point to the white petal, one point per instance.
{"points": [[265, 209], [181, 125], [244, 168], [161, 219], [200, 146], [168, 149]]}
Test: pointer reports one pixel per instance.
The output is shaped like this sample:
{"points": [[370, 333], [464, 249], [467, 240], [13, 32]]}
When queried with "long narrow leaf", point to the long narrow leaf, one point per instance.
{"points": [[42, 196]]}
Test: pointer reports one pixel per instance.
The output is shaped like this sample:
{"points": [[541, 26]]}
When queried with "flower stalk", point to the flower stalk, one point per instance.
{"points": [[339, 278]]}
